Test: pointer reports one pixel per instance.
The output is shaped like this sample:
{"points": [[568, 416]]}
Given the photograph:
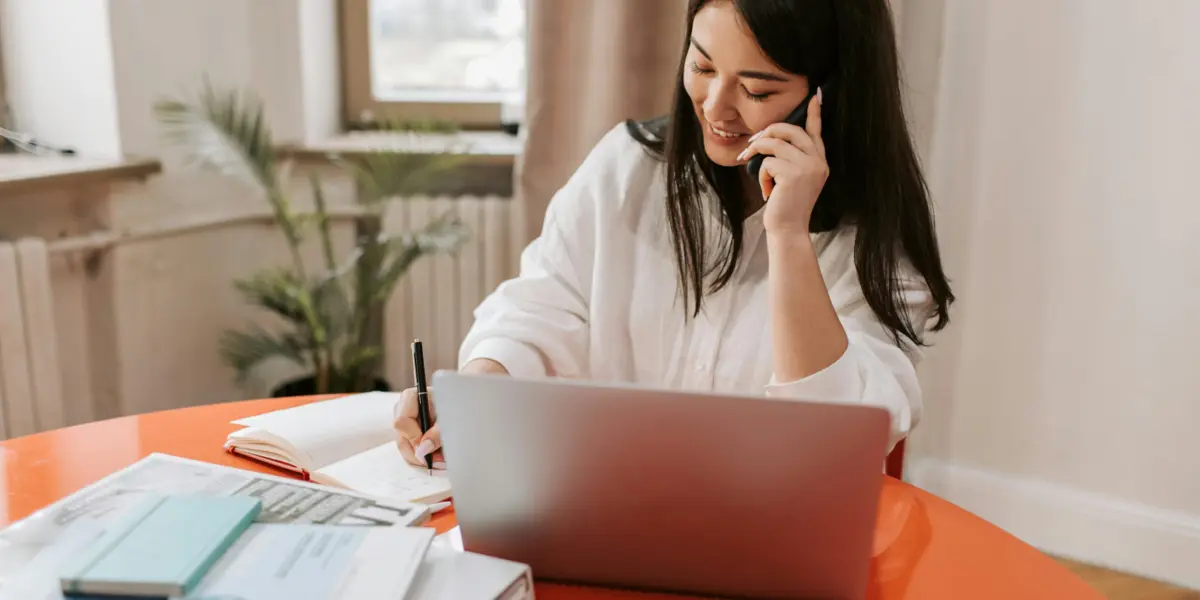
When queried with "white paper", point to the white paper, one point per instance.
{"points": [[317, 562], [450, 574], [328, 431], [32, 549], [451, 540], [382, 471]]}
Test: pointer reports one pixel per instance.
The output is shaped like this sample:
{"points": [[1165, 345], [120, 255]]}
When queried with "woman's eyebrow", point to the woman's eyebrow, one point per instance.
{"points": [[763, 75]]}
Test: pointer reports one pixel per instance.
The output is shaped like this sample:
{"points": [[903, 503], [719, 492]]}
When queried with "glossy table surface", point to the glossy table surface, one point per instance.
{"points": [[925, 547]]}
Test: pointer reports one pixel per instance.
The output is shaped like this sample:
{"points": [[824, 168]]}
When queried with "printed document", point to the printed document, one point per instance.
{"points": [[32, 549]]}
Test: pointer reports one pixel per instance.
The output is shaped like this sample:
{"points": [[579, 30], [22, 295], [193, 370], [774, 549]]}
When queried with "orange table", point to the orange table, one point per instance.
{"points": [[925, 547]]}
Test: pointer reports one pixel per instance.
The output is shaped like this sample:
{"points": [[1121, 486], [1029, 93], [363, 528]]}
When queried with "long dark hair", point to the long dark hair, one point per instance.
{"points": [[875, 182]]}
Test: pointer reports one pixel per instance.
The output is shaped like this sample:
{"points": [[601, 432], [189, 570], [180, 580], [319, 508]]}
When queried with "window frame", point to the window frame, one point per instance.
{"points": [[358, 101], [5, 109]]}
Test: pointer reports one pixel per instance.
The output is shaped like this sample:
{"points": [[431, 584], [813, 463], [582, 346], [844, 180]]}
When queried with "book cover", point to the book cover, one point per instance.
{"points": [[162, 547]]}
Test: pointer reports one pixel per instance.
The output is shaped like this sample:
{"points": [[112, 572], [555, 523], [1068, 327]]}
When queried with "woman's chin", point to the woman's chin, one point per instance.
{"points": [[722, 155]]}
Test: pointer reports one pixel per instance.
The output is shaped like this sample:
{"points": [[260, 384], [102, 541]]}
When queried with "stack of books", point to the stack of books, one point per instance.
{"points": [[189, 546]]}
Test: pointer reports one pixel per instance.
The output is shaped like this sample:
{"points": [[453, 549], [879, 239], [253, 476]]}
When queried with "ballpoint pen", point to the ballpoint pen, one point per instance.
{"points": [[422, 396]]}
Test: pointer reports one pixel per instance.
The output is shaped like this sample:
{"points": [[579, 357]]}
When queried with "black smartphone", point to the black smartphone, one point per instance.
{"points": [[799, 116]]}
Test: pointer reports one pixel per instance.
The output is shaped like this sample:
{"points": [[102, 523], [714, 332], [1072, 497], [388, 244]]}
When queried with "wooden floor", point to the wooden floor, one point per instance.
{"points": [[1120, 586]]}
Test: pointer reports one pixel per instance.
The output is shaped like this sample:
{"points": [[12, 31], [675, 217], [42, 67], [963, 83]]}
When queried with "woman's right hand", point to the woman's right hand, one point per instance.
{"points": [[415, 446]]}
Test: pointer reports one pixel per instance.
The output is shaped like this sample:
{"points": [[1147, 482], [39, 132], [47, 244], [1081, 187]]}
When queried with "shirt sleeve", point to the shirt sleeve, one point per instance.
{"points": [[536, 324], [874, 369]]}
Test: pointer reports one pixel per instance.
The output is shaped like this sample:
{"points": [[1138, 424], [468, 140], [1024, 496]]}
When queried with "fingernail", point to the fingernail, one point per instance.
{"points": [[742, 156], [425, 447], [439, 464], [820, 96], [754, 137]]}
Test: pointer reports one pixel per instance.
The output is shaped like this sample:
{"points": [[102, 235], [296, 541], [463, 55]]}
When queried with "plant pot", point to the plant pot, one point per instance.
{"points": [[307, 386]]}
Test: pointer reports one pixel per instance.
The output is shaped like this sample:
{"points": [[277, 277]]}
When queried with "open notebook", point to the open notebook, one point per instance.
{"points": [[346, 442]]}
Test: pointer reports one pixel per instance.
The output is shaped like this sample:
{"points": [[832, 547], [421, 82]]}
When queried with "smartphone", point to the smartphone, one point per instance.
{"points": [[799, 116]]}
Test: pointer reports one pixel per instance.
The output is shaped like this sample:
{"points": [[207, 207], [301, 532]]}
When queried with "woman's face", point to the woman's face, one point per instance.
{"points": [[735, 89]]}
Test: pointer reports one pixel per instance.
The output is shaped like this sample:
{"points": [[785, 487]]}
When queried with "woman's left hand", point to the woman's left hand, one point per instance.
{"points": [[793, 172]]}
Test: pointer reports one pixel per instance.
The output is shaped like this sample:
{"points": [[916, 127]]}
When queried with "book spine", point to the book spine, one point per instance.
{"points": [[302, 473], [219, 550]]}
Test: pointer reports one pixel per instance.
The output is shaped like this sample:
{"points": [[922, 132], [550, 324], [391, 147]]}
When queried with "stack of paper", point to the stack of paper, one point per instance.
{"points": [[35, 550], [349, 442], [449, 573], [206, 547]]}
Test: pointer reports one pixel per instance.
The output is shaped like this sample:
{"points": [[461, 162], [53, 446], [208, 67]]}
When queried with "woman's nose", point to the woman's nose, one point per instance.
{"points": [[718, 105]]}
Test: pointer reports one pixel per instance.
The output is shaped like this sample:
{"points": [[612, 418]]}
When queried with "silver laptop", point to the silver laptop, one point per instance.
{"points": [[669, 491]]}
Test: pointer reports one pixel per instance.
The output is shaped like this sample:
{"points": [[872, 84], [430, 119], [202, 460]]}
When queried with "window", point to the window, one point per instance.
{"points": [[454, 60]]}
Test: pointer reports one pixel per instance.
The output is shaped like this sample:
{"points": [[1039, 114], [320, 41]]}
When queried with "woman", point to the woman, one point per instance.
{"points": [[663, 262]]}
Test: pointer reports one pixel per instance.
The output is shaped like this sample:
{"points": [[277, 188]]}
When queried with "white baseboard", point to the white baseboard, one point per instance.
{"points": [[1092, 528]]}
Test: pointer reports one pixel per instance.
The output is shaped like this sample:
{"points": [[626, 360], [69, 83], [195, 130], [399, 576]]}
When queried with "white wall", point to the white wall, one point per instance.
{"points": [[1063, 404], [59, 72], [166, 48], [171, 297], [284, 50], [84, 73]]}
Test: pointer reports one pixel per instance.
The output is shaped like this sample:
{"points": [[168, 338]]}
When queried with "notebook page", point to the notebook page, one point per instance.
{"points": [[383, 472], [326, 432]]}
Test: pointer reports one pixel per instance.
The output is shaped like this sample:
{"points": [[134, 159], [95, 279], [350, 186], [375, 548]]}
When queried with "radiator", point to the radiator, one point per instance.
{"points": [[435, 301], [30, 377]]}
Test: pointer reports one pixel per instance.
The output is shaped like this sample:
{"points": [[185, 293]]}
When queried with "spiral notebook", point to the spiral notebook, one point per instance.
{"points": [[345, 442]]}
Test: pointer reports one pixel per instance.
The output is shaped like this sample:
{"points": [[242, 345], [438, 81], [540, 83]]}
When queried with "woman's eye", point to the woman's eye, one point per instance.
{"points": [[756, 97], [696, 68]]}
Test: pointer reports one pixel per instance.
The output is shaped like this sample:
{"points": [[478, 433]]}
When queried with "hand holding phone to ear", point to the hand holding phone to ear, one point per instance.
{"points": [[793, 169]]}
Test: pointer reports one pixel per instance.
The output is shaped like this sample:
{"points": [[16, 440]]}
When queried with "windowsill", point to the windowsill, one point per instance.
{"points": [[487, 164], [25, 173], [485, 146]]}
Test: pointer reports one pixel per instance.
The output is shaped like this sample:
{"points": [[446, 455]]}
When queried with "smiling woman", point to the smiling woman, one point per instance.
{"points": [[739, 92], [746, 66], [664, 262]]}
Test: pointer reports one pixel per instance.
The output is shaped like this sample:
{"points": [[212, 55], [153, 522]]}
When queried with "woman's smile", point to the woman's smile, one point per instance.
{"points": [[724, 137]]}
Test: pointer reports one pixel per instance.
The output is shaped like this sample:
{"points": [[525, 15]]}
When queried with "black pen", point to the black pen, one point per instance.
{"points": [[422, 395]]}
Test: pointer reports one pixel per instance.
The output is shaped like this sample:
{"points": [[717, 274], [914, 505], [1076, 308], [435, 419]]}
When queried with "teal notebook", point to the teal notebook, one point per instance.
{"points": [[163, 547]]}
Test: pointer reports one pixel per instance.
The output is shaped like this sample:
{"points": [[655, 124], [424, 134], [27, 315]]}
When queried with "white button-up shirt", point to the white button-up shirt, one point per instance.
{"points": [[597, 297]]}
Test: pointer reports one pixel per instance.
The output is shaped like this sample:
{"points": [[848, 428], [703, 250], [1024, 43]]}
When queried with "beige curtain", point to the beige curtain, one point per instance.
{"points": [[592, 64]]}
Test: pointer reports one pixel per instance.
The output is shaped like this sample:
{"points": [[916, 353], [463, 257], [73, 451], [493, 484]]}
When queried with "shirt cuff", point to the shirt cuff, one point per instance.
{"points": [[840, 382], [519, 359]]}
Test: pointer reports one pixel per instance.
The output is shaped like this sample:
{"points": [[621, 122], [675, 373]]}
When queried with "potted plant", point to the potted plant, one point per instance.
{"points": [[331, 311]]}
